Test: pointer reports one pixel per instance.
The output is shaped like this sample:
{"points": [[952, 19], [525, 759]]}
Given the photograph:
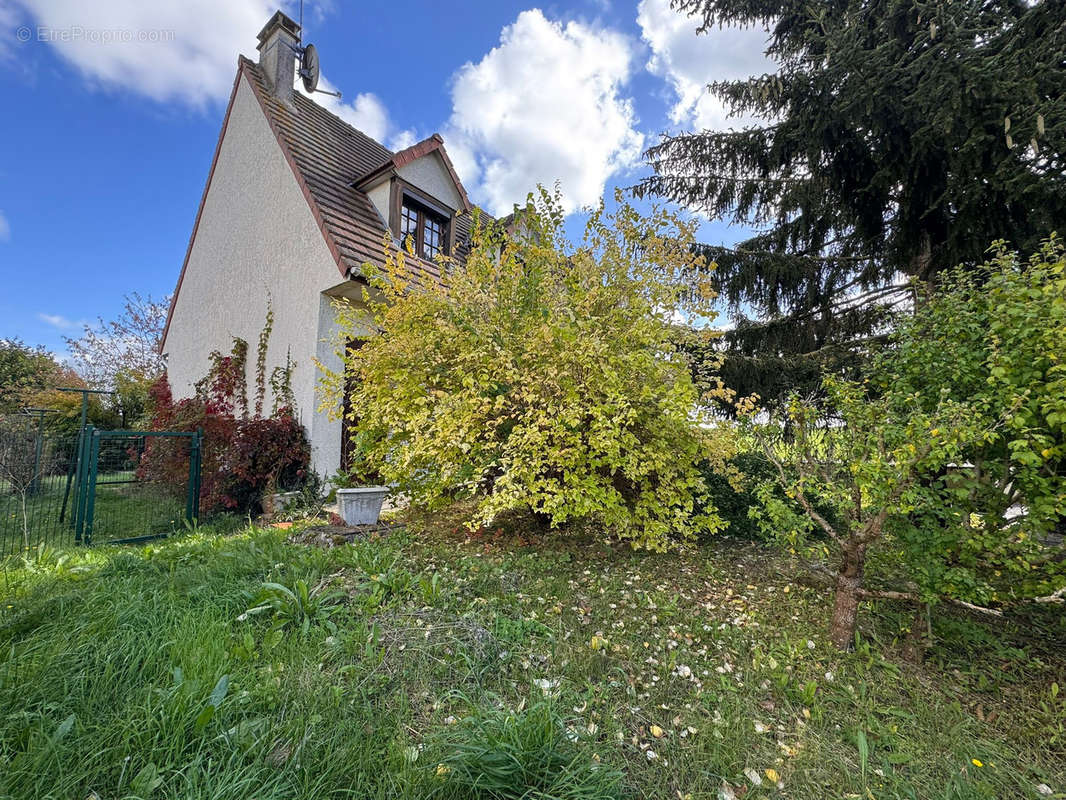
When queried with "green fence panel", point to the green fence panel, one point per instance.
{"points": [[34, 464], [132, 501], [94, 486]]}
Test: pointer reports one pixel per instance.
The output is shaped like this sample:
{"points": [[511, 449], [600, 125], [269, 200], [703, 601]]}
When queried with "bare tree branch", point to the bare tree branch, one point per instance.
{"points": [[1058, 596], [127, 345]]}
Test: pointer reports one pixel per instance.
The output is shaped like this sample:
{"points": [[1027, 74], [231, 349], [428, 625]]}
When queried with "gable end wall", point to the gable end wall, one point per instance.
{"points": [[257, 239]]}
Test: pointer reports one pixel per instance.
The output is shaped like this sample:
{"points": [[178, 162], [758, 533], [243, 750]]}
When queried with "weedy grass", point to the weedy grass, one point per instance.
{"points": [[122, 510], [428, 665], [532, 752]]}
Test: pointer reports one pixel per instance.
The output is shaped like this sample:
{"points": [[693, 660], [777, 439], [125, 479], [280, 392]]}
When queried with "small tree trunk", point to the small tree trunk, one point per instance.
{"points": [[25, 525], [846, 602]]}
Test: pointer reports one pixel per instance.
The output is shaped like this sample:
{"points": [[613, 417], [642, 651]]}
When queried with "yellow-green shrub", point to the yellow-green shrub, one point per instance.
{"points": [[541, 376]]}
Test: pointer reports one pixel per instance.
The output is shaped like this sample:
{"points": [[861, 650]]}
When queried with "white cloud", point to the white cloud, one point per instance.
{"points": [[5, 228], [690, 62], [9, 18], [366, 113], [165, 49], [191, 54], [544, 105], [59, 321], [403, 139]]}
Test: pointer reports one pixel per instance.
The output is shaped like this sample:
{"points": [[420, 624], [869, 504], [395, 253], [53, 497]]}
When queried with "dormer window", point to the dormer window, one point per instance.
{"points": [[419, 197], [423, 229]]}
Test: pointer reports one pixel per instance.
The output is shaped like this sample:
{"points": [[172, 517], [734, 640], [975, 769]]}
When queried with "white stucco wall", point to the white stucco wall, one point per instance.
{"points": [[429, 174], [324, 431], [379, 196], [257, 239]]}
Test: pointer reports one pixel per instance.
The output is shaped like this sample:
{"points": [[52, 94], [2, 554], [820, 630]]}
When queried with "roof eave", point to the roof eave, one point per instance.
{"points": [[374, 177]]}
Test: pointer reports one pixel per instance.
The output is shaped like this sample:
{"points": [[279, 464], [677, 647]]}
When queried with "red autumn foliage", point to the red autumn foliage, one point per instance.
{"points": [[242, 457]]}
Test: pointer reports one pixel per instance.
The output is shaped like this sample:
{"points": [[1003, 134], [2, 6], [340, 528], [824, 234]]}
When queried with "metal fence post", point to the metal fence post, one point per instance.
{"points": [[90, 487], [199, 471], [84, 438], [192, 492]]}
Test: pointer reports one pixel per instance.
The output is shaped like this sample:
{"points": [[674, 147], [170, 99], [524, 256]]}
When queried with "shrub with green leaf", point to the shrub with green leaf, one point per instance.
{"points": [[948, 472], [541, 376], [738, 491], [995, 338]]}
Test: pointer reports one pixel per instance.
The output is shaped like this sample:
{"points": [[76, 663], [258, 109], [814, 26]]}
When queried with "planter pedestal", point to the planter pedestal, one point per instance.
{"points": [[361, 506]]}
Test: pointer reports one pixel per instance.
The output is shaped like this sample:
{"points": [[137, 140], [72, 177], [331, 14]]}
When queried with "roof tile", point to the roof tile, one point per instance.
{"points": [[329, 155]]}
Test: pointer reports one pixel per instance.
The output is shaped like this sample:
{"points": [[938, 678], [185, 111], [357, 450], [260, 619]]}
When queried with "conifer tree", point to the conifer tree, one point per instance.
{"points": [[897, 138]]}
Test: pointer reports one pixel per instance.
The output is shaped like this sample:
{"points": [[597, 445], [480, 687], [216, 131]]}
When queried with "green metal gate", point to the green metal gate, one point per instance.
{"points": [[114, 502], [94, 486]]}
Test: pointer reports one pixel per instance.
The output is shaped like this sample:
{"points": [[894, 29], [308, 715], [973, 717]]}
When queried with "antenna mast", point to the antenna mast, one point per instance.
{"points": [[309, 67]]}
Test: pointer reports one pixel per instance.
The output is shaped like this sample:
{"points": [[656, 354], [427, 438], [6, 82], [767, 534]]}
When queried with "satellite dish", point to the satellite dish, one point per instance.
{"points": [[309, 68]]}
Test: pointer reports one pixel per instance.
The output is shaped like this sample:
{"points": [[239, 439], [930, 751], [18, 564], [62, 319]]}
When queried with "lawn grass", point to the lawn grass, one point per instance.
{"points": [[424, 665], [124, 508]]}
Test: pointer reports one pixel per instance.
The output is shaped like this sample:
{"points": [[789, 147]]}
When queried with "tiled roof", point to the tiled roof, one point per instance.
{"points": [[328, 155]]}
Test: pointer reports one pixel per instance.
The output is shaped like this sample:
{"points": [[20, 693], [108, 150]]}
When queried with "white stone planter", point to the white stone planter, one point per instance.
{"points": [[273, 503], [361, 506]]}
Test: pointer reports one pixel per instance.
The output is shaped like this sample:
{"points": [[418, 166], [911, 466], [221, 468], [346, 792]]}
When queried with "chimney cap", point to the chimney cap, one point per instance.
{"points": [[279, 20]]}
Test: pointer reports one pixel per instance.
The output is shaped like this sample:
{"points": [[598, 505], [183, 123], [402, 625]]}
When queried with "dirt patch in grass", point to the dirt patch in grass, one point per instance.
{"points": [[335, 535]]}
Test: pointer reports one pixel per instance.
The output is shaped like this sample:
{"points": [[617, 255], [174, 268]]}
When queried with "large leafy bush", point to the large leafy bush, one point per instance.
{"points": [[541, 376], [948, 471]]}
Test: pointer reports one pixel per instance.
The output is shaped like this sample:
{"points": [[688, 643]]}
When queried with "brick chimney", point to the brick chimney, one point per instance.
{"points": [[277, 54]]}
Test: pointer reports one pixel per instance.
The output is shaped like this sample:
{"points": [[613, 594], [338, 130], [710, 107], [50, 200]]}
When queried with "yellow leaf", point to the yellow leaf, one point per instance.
{"points": [[772, 775], [657, 732]]}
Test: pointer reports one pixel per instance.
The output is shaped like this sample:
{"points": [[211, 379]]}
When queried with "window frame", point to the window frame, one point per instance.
{"points": [[403, 194]]}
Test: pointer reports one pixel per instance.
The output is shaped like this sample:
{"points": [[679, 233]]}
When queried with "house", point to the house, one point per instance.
{"points": [[296, 202]]}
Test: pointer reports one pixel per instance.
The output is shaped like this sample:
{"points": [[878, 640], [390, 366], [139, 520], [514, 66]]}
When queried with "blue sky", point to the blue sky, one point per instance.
{"points": [[114, 109]]}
